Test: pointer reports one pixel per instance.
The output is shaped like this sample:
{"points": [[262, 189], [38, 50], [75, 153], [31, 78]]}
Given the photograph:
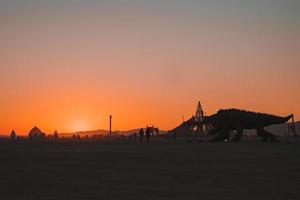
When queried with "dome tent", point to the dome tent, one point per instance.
{"points": [[36, 133]]}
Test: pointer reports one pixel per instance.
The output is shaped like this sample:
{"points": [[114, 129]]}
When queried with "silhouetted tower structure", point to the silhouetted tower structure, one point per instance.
{"points": [[199, 116], [110, 121], [199, 113]]}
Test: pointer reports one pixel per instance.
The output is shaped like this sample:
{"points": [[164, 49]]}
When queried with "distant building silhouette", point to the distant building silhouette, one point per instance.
{"points": [[225, 121]]}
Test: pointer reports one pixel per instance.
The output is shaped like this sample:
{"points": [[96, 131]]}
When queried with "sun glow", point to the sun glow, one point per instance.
{"points": [[79, 125]]}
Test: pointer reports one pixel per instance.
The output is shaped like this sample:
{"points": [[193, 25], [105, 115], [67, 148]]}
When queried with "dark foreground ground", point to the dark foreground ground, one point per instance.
{"points": [[163, 169]]}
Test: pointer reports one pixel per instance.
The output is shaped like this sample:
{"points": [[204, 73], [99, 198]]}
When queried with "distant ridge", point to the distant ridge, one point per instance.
{"points": [[279, 130], [100, 132]]}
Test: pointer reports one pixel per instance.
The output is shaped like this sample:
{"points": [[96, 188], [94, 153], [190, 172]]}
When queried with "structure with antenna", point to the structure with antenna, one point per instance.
{"points": [[199, 116], [110, 124], [193, 126]]}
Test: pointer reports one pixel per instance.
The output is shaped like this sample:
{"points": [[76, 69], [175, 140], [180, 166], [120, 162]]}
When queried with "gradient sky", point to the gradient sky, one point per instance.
{"points": [[68, 64]]}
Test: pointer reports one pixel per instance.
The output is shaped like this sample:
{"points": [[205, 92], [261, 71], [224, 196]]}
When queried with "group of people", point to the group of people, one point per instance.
{"points": [[146, 133]]}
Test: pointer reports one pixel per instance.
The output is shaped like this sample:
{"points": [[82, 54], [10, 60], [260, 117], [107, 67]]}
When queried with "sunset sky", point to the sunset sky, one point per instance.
{"points": [[69, 64]]}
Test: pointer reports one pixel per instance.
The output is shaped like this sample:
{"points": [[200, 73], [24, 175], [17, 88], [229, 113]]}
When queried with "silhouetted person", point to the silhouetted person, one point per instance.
{"points": [[156, 131], [148, 134], [174, 134], [13, 134], [130, 137], [78, 136], [141, 134], [55, 134]]}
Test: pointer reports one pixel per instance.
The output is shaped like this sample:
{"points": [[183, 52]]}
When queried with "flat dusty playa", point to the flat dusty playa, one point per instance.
{"points": [[163, 169]]}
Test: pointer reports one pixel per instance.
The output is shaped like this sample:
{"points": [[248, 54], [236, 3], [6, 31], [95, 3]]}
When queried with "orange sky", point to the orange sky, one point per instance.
{"points": [[67, 65]]}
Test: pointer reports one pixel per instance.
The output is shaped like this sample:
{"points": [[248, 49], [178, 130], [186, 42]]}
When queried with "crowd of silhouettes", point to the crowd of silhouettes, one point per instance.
{"points": [[76, 136], [148, 132]]}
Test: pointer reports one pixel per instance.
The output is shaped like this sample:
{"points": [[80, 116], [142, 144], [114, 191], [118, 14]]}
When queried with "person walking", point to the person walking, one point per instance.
{"points": [[148, 134], [141, 134]]}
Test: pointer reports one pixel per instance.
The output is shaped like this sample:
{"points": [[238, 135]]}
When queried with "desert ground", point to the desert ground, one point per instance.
{"points": [[161, 169]]}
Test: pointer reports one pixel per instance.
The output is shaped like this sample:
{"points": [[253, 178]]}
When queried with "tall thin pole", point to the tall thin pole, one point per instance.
{"points": [[110, 118]]}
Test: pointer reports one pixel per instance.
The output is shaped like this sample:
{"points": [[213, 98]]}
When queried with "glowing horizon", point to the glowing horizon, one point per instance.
{"points": [[67, 65]]}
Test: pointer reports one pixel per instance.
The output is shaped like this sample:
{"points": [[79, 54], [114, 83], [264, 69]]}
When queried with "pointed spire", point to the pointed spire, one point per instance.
{"points": [[199, 113]]}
